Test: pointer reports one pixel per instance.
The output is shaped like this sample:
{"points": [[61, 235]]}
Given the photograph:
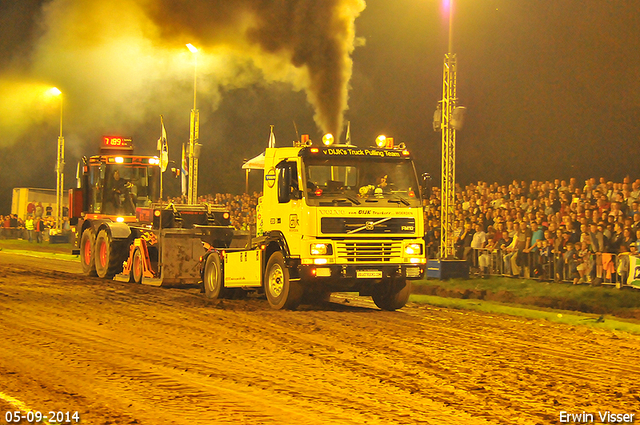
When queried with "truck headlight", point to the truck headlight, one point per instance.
{"points": [[413, 249], [321, 249]]}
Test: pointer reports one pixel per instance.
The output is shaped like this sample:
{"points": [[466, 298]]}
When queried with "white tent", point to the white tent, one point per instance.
{"points": [[256, 163]]}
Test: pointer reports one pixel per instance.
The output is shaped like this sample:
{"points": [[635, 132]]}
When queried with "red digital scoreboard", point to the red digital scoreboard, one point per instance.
{"points": [[117, 143]]}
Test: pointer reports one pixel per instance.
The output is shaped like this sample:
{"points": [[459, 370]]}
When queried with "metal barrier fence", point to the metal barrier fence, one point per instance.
{"points": [[595, 268], [546, 266]]}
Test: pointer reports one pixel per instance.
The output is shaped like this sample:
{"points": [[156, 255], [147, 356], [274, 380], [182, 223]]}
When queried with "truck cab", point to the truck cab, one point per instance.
{"points": [[337, 218]]}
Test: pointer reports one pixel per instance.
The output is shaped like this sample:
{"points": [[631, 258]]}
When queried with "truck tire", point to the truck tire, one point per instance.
{"points": [[108, 255], [136, 266], [87, 251], [392, 295], [212, 278], [281, 292]]}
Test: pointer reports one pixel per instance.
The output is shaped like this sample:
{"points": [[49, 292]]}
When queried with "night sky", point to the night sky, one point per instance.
{"points": [[551, 87]]}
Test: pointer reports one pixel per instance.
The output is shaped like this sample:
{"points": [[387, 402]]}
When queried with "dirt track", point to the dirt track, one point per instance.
{"points": [[129, 354]]}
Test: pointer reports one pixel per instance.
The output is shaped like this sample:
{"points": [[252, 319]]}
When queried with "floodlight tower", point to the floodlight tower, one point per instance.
{"points": [[448, 104], [194, 135]]}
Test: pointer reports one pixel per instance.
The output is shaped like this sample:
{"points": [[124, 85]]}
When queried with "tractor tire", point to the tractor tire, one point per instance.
{"points": [[281, 292], [136, 266], [87, 253], [109, 255], [392, 295], [212, 278]]}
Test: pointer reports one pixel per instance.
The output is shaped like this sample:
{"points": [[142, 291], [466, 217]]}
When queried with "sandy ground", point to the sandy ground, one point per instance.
{"points": [[131, 354]]}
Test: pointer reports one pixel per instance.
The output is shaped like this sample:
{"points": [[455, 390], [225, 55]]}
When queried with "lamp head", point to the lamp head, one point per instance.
{"points": [[327, 139]]}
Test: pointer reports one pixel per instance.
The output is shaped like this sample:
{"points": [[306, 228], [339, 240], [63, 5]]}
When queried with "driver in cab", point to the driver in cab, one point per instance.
{"points": [[123, 187], [381, 185]]}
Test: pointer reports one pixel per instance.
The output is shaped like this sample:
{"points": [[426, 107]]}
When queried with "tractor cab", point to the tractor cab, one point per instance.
{"points": [[118, 185], [116, 182]]}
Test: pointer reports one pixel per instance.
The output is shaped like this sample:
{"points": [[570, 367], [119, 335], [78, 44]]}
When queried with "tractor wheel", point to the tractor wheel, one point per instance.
{"points": [[136, 266], [280, 290], [212, 278], [109, 255], [392, 294], [87, 257]]}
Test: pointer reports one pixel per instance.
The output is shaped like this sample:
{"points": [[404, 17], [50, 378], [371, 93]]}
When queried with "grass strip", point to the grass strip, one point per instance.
{"points": [[551, 295], [570, 318], [25, 245]]}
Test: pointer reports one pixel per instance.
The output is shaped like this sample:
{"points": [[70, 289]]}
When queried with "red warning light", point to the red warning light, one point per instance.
{"points": [[318, 192]]}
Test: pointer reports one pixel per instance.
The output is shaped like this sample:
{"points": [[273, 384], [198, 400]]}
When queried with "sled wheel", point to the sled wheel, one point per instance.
{"points": [[136, 266], [212, 279]]}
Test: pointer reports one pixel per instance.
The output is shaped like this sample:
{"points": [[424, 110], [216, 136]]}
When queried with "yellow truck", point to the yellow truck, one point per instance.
{"points": [[332, 218]]}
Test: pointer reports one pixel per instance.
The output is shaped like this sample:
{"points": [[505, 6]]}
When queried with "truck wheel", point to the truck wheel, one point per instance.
{"points": [[136, 266], [108, 255], [280, 290], [392, 295], [212, 278], [87, 257]]}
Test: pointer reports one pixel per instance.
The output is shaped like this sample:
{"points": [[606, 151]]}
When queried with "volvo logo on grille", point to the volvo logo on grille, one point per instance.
{"points": [[369, 225]]}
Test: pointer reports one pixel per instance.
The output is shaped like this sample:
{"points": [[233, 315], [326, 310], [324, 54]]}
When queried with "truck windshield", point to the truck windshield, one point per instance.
{"points": [[355, 181], [121, 188]]}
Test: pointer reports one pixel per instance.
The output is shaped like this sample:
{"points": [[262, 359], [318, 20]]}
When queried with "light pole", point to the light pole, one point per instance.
{"points": [[59, 167], [448, 128], [194, 135]]}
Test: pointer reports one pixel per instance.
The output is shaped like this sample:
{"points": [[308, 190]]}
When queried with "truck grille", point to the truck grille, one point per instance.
{"points": [[367, 225], [369, 251]]}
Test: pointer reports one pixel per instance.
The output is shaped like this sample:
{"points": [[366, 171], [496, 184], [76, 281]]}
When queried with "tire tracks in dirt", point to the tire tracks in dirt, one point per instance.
{"points": [[148, 355]]}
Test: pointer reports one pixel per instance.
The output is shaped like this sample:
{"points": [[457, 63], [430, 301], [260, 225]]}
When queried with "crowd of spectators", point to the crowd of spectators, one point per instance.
{"points": [[556, 230], [242, 208], [33, 228]]}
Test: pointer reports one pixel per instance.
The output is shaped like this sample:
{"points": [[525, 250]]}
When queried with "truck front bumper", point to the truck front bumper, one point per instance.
{"points": [[361, 271]]}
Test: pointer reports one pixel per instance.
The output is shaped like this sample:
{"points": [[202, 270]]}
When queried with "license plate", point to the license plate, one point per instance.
{"points": [[369, 274]]}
